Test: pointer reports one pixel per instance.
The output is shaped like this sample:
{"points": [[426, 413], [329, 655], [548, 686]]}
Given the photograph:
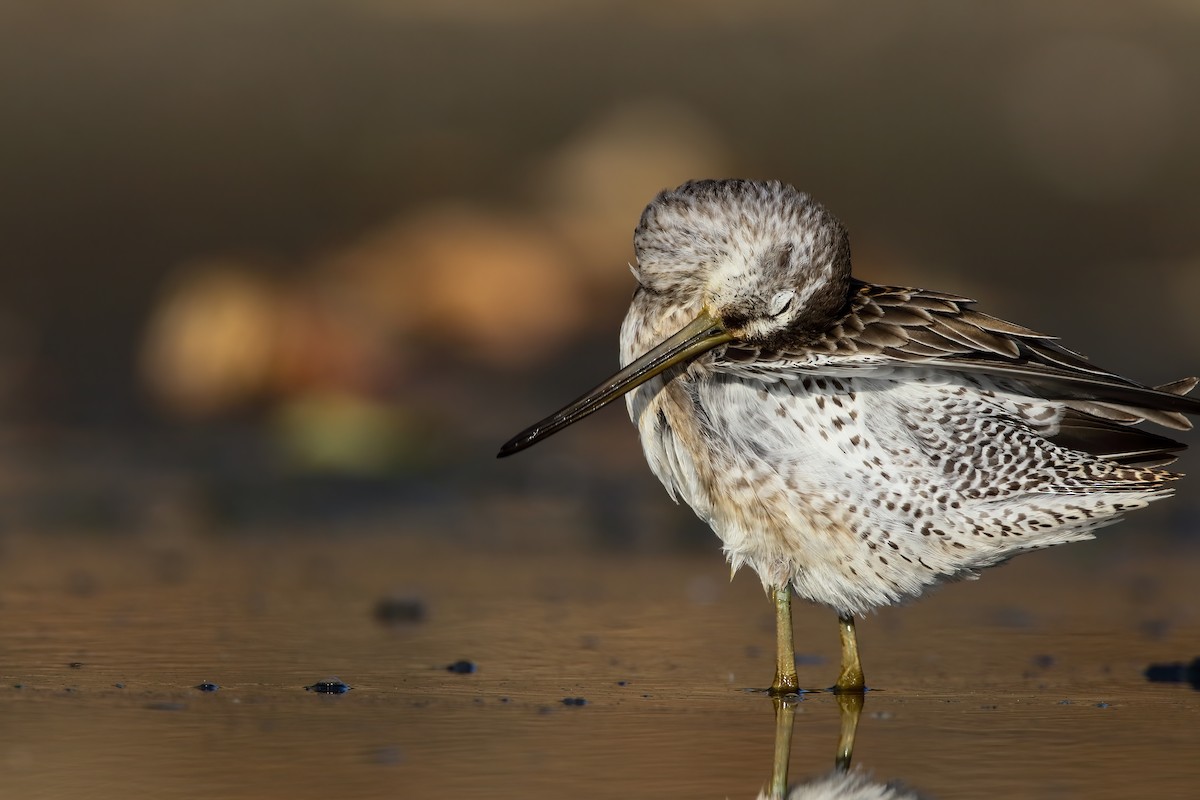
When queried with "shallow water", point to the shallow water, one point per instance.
{"points": [[1028, 683]]}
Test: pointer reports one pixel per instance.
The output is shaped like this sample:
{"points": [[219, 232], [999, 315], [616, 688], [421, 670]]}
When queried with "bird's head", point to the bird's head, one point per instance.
{"points": [[748, 261], [760, 258]]}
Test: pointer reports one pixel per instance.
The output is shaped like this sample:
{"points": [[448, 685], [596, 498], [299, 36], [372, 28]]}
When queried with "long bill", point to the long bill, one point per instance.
{"points": [[697, 337]]}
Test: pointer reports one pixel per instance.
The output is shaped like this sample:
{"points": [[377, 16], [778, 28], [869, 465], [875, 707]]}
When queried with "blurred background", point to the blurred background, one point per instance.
{"points": [[308, 263]]}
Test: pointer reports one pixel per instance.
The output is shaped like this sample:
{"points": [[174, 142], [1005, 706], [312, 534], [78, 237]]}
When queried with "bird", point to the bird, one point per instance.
{"points": [[857, 444]]}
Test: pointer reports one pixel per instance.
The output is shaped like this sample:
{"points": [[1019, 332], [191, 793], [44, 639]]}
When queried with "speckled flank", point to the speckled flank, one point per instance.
{"points": [[861, 442]]}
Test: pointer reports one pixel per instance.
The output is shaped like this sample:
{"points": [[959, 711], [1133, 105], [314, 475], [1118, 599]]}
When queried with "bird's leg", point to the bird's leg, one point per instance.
{"points": [[786, 681], [851, 677], [785, 715], [850, 705]]}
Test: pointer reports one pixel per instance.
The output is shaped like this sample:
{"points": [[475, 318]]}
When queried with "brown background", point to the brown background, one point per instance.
{"points": [[276, 279]]}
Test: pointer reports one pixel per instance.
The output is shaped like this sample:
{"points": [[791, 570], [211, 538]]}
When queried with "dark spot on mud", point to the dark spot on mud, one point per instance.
{"points": [[399, 611], [462, 667], [166, 706], [1154, 628], [574, 701], [207, 686], [387, 756], [1009, 617]]}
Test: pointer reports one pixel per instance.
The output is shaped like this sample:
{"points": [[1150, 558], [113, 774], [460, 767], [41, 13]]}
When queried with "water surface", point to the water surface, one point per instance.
{"points": [[1028, 683]]}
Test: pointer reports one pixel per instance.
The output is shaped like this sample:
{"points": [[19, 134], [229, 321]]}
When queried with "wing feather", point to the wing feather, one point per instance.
{"points": [[897, 327]]}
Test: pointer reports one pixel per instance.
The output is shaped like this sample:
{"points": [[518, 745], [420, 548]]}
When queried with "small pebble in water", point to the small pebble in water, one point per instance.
{"points": [[1102, 705], [574, 701], [328, 686], [622, 683], [119, 685], [76, 665], [463, 667], [1175, 673], [207, 687]]}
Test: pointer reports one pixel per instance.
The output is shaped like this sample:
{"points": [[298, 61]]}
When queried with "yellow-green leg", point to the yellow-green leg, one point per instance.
{"points": [[851, 677], [786, 681], [785, 714], [850, 705]]}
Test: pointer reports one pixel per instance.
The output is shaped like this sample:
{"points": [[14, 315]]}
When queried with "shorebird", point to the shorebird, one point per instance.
{"points": [[854, 443]]}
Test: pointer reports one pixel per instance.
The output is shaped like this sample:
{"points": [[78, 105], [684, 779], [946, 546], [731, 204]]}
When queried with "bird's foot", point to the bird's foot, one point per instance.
{"points": [[784, 684], [849, 682]]}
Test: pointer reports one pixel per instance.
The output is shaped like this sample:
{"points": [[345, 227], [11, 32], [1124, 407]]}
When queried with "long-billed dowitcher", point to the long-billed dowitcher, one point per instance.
{"points": [[852, 442]]}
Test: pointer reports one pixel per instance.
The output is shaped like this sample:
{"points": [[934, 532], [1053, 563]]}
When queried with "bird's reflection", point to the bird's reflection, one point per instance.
{"points": [[842, 783]]}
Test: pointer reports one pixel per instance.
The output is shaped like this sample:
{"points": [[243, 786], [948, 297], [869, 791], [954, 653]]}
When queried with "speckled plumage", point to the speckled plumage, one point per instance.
{"points": [[858, 442], [866, 450]]}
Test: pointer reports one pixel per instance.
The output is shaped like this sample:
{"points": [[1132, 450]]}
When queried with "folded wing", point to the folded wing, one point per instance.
{"points": [[890, 328]]}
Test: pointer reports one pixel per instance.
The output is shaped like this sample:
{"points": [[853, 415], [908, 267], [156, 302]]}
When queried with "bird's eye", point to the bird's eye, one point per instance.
{"points": [[781, 302]]}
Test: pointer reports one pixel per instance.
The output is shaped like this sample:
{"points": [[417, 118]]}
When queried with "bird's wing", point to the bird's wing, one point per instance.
{"points": [[890, 328], [1112, 440]]}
